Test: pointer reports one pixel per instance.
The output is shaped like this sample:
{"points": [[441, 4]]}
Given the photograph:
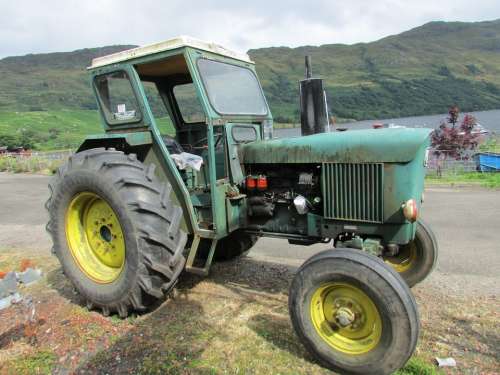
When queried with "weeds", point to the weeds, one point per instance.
{"points": [[487, 179], [417, 366], [29, 164], [491, 145], [41, 362]]}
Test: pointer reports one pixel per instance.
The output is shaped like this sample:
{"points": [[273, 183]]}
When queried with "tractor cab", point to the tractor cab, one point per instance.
{"points": [[192, 98]]}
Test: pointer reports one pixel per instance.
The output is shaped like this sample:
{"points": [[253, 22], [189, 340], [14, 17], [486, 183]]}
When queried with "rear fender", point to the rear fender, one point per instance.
{"points": [[137, 143]]}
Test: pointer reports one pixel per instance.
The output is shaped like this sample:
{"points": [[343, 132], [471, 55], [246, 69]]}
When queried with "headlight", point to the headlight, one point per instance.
{"points": [[410, 210]]}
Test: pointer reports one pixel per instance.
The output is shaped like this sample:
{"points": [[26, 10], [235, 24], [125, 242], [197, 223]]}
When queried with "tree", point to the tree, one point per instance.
{"points": [[453, 113], [28, 138], [9, 140], [454, 142]]}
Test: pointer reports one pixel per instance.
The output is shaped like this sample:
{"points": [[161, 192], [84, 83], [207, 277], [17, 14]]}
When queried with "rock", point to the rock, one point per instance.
{"points": [[29, 276], [8, 285], [25, 264], [9, 300], [3, 290], [446, 362]]}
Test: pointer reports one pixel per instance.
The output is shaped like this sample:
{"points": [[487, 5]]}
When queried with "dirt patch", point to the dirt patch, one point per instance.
{"points": [[236, 321]]}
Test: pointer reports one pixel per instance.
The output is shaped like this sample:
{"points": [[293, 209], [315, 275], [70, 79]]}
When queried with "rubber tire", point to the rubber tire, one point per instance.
{"points": [[427, 255], [387, 290], [150, 223], [236, 244]]}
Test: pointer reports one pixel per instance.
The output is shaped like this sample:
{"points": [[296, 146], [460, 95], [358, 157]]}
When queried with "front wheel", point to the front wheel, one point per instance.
{"points": [[354, 313], [416, 260]]}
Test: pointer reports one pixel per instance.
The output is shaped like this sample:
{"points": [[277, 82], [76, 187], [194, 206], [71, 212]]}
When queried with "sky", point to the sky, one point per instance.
{"points": [[34, 26]]}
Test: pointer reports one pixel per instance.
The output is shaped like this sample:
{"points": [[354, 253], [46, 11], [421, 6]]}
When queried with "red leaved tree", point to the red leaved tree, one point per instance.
{"points": [[449, 141]]}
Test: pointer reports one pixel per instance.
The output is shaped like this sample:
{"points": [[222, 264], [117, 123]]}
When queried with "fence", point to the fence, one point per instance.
{"points": [[449, 166], [40, 161]]}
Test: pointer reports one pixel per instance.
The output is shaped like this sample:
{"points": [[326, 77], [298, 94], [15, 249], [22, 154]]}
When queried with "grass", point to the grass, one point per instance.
{"points": [[55, 129], [489, 180], [61, 129], [235, 322], [41, 362], [29, 164], [417, 366]]}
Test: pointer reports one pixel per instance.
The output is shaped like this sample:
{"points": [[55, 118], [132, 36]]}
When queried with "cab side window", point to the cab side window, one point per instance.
{"points": [[188, 103], [157, 105], [117, 98]]}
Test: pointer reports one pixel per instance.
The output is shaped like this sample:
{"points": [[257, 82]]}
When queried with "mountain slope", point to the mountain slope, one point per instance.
{"points": [[49, 81], [420, 71]]}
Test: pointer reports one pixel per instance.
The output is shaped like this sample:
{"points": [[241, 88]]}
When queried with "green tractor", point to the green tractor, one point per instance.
{"points": [[188, 172]]}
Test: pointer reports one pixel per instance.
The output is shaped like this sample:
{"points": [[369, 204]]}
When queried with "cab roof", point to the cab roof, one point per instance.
{"points": [[170, 44]]}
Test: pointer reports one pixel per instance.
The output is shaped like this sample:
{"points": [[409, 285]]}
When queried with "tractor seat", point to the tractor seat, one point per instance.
{"points": [[173, 146]]}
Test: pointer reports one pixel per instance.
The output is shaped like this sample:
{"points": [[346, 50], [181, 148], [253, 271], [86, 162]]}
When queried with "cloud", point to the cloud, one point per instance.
{"points": [[61, 25]]}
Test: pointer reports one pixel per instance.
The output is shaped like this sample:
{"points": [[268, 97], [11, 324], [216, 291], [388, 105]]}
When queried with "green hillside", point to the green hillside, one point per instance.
{"points": [[420, 71], [49, 81]]}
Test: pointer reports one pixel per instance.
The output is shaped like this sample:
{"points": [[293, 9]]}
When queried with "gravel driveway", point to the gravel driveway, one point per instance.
{"points": [[466, 222]]}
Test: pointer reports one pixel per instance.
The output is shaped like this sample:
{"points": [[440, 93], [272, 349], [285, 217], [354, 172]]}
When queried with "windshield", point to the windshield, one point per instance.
{"points": [[232, 89]]}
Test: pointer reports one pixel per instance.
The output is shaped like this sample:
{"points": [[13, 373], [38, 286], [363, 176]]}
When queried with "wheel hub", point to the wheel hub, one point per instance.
{"points": [[346, 318], [404, 259], [95, 237]]}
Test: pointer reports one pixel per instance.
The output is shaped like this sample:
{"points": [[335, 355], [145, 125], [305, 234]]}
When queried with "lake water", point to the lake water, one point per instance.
{"points": [[488, 119]]}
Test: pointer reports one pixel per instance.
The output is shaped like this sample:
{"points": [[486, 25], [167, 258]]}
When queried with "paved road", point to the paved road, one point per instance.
{"points": [[466, 222]]}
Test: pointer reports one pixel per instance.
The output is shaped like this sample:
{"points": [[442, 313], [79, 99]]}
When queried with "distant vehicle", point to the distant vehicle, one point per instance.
{"points": [[478, 130], [379, 125]]}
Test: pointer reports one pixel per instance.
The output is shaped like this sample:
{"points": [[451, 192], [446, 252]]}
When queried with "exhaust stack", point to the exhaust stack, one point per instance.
{"points": [[313, 107]]}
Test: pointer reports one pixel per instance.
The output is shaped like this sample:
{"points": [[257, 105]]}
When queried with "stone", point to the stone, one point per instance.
{"points": [[29, 276]]}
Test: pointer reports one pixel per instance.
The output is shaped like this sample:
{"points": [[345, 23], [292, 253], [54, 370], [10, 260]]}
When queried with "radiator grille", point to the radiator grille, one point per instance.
{"points": [[353, 191]]}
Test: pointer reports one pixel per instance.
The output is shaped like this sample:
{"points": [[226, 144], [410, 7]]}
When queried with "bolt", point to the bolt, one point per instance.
{"points": [[345, 317]]}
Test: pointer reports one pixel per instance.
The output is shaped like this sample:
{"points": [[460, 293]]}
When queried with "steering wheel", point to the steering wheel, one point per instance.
{"points": [[204, 142]]}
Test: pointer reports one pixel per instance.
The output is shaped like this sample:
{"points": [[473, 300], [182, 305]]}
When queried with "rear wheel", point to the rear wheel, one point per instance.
{"points": [[115, 230], [234, 245], [416, 260], [354, 313]]}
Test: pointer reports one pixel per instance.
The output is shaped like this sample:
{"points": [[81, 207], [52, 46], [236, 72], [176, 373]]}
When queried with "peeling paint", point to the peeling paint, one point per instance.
{"points": [[374, 145]]}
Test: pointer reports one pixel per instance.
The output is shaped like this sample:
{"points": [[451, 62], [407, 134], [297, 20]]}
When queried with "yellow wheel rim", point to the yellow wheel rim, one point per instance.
{"points": [[405, 259], [95, 237], [346, 318]]}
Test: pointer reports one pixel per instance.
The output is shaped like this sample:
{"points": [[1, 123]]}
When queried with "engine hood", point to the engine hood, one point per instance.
{"points": [[374, 145]]}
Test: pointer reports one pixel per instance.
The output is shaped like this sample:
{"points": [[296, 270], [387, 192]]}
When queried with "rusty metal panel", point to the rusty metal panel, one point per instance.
{"points": [[364, 146], [353, 191]]}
